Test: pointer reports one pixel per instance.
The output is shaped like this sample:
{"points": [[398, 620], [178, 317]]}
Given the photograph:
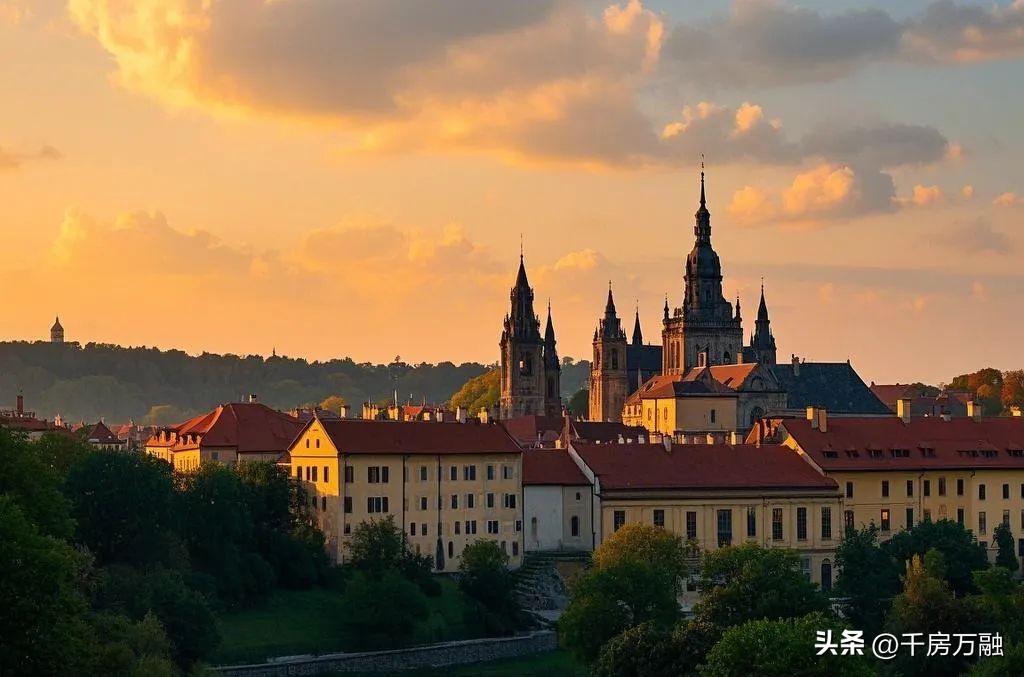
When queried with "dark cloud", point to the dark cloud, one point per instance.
{"points": [[977, 236], [885, 145], [947, 31]]}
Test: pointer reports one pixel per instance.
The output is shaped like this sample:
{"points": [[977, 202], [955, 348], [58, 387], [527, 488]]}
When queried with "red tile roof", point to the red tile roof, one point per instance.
{"points": [[248, 427], [700, 466], [874, 443], [675, 385], [356, 436], [529, 430], [606, 431], [544, 467], [729, 375], [101, 434]]}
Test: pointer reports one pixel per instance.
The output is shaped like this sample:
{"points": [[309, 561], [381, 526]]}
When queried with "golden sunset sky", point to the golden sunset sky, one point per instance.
{"points": [[352, 178]]}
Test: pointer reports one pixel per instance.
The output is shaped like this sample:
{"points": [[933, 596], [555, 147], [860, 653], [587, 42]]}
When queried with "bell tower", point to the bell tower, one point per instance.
{"points": [[608, 382], [523, 384]]}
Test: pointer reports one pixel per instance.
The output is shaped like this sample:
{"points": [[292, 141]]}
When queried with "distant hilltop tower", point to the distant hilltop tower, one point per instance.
{"points": [[57, 332]]}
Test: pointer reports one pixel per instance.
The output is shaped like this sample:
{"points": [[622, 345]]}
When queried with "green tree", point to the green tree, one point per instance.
{"points": [[1005, 557], [1010, 664], [999, 604], [962, 552], [385, 610], [376, 546], [636, 578], [134, 649], [927, 606], [649, 650], [42, 611], [125, 505], [484, 578], [34, 485], [868, 578], [333, 404], [478, 392], [782, 648], [748, 582], [579, 403]]}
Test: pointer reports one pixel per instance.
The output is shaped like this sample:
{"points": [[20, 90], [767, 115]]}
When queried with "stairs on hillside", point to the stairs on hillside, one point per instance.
{"points": [[541, 582]]}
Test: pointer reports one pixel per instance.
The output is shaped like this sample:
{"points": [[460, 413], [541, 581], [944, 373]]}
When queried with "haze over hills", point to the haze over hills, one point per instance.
{"points": [[85, 383]]}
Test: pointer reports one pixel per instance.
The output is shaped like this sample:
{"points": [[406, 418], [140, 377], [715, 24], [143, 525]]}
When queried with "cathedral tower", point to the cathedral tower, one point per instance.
{"points": [[608, 371], [705, 330], [57, 332], [552, 372], [762, 344], [524, 385]]}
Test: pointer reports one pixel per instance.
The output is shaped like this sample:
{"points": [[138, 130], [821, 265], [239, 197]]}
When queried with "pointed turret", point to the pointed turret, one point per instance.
{"points": [[666, 307], [739, 317], [638, 336], [610, 326], [522, 321], [762, 308], [609, 307], [550, 352], [763, 343], [702, 227], [57, 331]]}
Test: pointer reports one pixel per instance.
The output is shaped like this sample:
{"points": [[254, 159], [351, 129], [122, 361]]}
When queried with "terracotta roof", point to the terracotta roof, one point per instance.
{"points": [[674, 385], [729, 375], [888, 393], [356, 436], [101, 434], [248, 427], [700, 466], [877, 443], [529, 430], [544, 467]]}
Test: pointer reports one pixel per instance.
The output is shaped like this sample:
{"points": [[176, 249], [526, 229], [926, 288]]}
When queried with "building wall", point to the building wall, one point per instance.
{"points": [[549, 512], [688, 415], [406, 492], [815, 550]]}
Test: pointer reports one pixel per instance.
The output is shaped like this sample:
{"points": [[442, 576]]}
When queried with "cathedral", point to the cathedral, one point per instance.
{"points": [[530, 370]]}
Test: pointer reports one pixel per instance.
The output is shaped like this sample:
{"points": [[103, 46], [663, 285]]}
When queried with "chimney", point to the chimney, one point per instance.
{"points": [[822, 420], [343, 411], [460, 414], [20, 408], [483, 415], [796, 364], [252, 398], [1015, 411], [812, 414], [666, 441], [621, 440], [734, 438], [903, 409], [709, 439], [973, 409]]}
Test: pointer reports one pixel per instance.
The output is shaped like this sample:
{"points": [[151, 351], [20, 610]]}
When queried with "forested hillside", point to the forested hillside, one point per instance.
{"points": [[161, 386]]}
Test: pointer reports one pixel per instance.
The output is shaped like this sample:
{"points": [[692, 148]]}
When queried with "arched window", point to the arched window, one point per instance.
{"points": [[575, 526], [726, 358], [826, 576]]}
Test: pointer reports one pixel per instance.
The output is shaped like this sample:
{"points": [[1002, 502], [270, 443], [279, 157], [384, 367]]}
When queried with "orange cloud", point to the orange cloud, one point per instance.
{"points": [[924, 196], [1008, 199], [967, 192]]}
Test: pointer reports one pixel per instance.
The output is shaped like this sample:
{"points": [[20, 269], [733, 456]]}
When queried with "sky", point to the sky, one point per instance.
{"points": [[334, 178]]}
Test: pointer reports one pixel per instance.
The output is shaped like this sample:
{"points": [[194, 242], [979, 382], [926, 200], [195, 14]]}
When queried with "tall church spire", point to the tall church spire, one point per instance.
{"points": [[763, 343], [638, 336], [522, 321], [610, 326], [702, 227], [609, 307], [762, 308], [550, 352]]}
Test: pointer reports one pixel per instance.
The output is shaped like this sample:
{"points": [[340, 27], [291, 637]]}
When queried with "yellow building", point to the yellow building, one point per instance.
{"points": [[896, 471], [235, 432], [717, 495], [445, 484], [688, 410]]}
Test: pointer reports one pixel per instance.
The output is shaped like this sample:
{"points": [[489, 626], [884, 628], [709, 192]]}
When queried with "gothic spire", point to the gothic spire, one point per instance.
{"points": [[738, 316], [638, 336], [762, 308], [702, 228], [666, 306], [522, 321], [550, 352], [609, 308], [610, 326]]}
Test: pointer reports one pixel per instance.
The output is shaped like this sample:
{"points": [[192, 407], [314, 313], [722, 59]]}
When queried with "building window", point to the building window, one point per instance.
{"points": [[453, 475], [826, 576], [469, 472], [455, 501], [960, 487], [510, 501], [507, 472], [318, 443], [691, 525], [826, 523], [307, 443], [377, 474], [298, 471], [375, 504], [712, 415], [659, 518], [848, 519], [490, 500], [349, 474], [314, 469], [801, 524], [885, 488], [615, 358], [618, 519], [348, 504], [412, 529], [574, 526], [492, 526], [327, 473], [982, 523], [942, 486], [910, 488], [910, 517], [470, 501], [981, 492], [805, 567], [724, 520], [458, 525], [849, 489], [451, 550], [577, 495], [776, 524], [423, 528], [960, 516], [1006, 492], [927, 489], [323, 504], [423, 473], [308, 473], [886, 523], [751, 522], [1006, 518], [423, 502], [490, 471], [519, 525], [470, 527]]}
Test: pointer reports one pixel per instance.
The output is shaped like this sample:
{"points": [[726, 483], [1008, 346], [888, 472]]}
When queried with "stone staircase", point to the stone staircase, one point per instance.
{"points": [[541, 582]]}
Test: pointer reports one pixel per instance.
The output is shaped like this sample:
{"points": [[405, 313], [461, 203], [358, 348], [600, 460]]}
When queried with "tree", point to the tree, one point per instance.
{"points": [[124, 505], [927, 606], [782, 648], [636, 578], [384, 610], [376, 546], [42, 610], [1005, 557], [484, 578], [962, 552], [748, 582], [479, 392], [333, 404], [868, 579], [579, 403], [34, 486], [649, 650], [999, 606]]}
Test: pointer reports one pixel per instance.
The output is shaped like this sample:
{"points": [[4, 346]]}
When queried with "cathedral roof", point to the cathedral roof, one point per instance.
{"points": [[730, 375], [832, 385], [667, 386]]}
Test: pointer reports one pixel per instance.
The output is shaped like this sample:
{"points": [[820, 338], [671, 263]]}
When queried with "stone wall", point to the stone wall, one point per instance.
{"points": [[432, 655]]}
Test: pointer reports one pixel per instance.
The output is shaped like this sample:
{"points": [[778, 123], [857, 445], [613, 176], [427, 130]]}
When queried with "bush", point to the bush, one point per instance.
{"points": [[648, 650], [384, 610]]}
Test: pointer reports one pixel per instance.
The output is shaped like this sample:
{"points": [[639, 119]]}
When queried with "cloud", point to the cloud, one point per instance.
{"points": [[1008, 199], [584, 259], [948, 32], [977, 236], [979, 291], [885, 145], [967, 192], [11, 160], [923, 196]]}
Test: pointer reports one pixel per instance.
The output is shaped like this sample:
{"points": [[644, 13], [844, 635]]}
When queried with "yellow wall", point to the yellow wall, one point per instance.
{"points": [[686, 415], [405, 496]]}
